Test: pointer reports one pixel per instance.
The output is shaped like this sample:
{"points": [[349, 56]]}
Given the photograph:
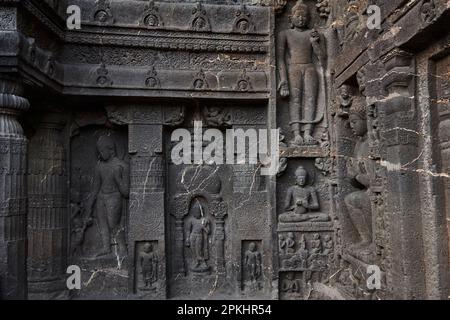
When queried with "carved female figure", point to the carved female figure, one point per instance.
{"points": [[111, 186], [359, 170]]}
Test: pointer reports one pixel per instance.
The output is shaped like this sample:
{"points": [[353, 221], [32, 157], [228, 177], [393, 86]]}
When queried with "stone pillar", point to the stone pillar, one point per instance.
{"points": [[13, 195], [47, 210], [401, 153], [444, 138], [251, 221], [147, 195]]}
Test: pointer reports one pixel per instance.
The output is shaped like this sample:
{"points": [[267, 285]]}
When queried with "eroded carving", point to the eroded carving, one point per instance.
{"points": [[102, 12], [243, 22], [200, 82], [148, 264], [216, 116], [111, 187], [152, 81], [252, 266], [198, 231], [103, 76], [359, 169], [244, 84], [200, 20], [151, 17]]}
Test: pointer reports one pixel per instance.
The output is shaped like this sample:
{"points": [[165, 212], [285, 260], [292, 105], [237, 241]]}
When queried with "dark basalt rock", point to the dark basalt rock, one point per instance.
{"points": [[87, 178]]}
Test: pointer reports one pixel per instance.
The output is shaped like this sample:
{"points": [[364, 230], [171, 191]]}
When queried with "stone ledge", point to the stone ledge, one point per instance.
{"points": [[312, 151], [305, 226]]}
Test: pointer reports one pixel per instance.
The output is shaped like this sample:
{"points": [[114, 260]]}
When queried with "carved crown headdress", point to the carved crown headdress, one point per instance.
{"points": [[359, 108], [300, 8]]}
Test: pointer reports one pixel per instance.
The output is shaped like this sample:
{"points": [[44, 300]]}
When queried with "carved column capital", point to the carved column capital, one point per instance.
{"points": [[11, 97]]}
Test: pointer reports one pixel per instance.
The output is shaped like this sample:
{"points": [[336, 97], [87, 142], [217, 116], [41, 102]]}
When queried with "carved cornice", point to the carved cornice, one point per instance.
{"points": [[44, 18], [173, 40], [168, 38]]}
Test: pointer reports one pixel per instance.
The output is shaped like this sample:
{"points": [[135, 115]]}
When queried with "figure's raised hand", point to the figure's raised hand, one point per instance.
{"points": [[284, 89], [315, 36]]}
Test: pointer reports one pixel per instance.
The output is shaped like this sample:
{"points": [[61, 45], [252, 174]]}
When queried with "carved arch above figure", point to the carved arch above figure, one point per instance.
{"points": [[151, 17], [200, 19], [102, 13]]}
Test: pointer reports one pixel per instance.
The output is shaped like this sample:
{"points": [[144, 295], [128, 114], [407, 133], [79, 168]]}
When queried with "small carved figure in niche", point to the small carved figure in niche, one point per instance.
{"points": [[328, 245], [316, 244], [151, 16], [300, 200], [243, 26], [200, 82], [289, 284], [299, 259], [198, 230], [199, 24], [253, 262], [216, 116], [200, 21], [151, 20], [345, 99], [148, 261], [244, 83], [103, 12], [152, 80], [298, 75], [316, 259], [287, 244], [242, 22], [359, 170], [303, 252], [102, 16], [111, 187]]}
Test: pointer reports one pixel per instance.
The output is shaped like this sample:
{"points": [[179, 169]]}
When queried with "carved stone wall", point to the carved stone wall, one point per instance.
{"points": [[362, 181]]}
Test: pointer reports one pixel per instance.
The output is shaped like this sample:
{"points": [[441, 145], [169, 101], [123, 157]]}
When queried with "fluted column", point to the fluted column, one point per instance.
{"points": [[47, 209], [13, 195]]}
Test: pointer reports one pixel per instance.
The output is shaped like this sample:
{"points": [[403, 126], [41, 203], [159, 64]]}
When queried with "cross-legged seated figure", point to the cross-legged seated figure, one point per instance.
{"points": [[300, 200]]}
